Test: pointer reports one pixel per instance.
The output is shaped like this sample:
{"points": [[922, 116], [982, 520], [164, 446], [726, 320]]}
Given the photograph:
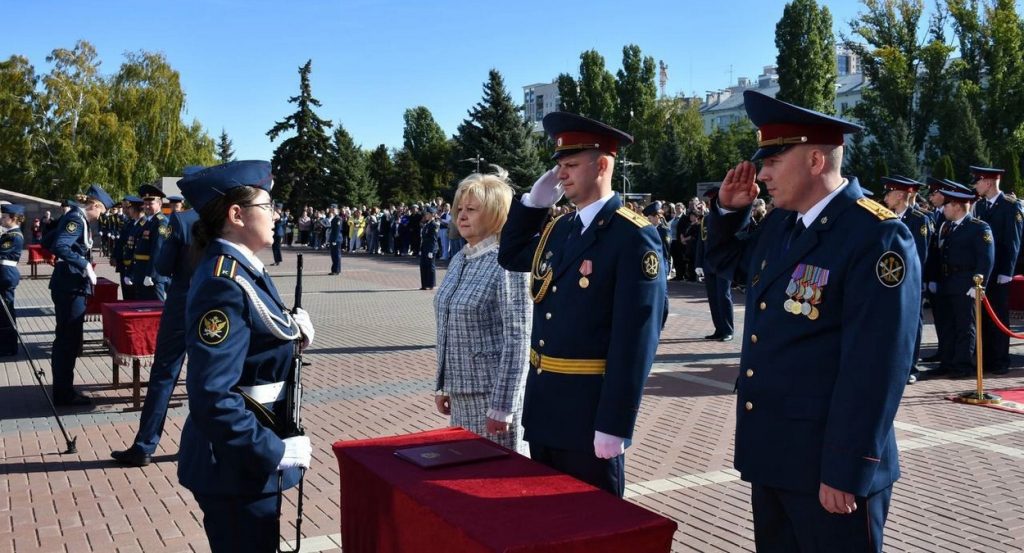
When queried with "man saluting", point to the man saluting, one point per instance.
{"points": [[833, 301]]}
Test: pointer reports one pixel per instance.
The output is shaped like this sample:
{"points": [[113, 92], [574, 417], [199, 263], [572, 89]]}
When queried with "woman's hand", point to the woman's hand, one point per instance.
{"points": [[496, 427], [444, 404]]}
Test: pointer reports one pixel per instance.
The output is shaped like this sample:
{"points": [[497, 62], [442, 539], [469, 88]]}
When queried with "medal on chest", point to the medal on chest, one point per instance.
{"points": [[804, 290], [586, 268]]}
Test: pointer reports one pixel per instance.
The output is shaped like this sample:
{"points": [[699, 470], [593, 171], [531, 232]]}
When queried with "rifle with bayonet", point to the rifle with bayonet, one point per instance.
{"points": [[293, 408]]}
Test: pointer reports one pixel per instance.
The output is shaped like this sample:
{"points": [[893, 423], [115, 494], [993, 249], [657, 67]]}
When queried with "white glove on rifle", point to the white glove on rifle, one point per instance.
{"points": [[298, 452], [302, 319], [699, 271], [1003, 279], [607, 446], [148, 281], [128, 281], [546, 191], [91, 273]]}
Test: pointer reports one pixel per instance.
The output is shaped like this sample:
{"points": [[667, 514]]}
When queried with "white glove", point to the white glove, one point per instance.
{"points": [[546, 191], [1003, 279], [430, 256], [128, 281], [933, 287], [970, 292], [607, 446], [91, 273], [298, 452], [699, 271], [148, 281], [302, 319]]}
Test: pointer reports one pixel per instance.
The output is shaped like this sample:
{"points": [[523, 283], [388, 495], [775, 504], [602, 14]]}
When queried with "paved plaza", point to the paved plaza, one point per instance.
{"points": [[372, 374]]}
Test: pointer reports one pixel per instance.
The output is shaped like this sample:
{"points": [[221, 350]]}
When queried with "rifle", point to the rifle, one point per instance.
{"points": [[293, 425]]}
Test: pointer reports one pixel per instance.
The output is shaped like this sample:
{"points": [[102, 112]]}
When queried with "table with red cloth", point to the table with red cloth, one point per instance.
{"points": [[510, 504], [105, 291], [130, 328], [38, 254], [1016, 301]]}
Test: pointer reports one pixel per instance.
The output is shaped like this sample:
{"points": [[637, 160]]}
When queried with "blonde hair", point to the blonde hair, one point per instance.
{"points": [[493, 191], [85, 201]]}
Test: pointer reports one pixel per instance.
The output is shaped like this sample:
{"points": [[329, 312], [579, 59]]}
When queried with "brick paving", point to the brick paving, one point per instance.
{"points": [[372, 374]]}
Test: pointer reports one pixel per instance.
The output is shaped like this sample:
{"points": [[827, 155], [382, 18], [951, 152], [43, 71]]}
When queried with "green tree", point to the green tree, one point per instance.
{"points": [[959, 136], [807, 56], [406, 181], [380, 169], [679, 163], [426, 141], [597, 94], [568, 94], [18, 106], [637, 113], [727, 147], [299, 162], [225, 149], [348, 177], [943, 168], [495, 130]]}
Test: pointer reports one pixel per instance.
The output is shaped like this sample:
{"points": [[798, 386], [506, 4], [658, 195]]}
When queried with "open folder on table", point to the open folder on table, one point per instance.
{"points": [[451, 453]]}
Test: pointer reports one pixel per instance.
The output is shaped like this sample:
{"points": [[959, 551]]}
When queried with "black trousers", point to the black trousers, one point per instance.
{"points": [[957, 339], [428, 272], [993, 341], [606, 474], [8, 326], [241, 524]]}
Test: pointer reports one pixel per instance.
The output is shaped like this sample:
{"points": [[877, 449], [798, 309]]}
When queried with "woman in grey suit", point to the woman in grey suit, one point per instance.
{"points": [[484, 315]]}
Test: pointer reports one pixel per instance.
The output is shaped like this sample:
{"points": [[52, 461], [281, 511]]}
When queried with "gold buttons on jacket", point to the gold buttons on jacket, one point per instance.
{"points": [[750, 373], [541, 343], [753, 338], [763, 306], [749, 406], [547, 315], [554, 289]]}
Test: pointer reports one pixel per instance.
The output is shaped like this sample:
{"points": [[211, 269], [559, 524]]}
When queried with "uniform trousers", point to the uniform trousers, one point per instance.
{"points": [[69, 308], [276, 248], [720, 302], [995, 343], [956, 345], [150, 293], [795, 522], [8, 326], [241, 524], [163, 376], [606, 474], [127, 291], [428, 272], [336, 257], [470, 412]]}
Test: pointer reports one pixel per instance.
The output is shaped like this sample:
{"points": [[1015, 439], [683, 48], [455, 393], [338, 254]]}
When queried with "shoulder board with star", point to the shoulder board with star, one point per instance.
{"points": [[161, 217], [225, 267], [633, 217], [878, 210], [978, 221]]}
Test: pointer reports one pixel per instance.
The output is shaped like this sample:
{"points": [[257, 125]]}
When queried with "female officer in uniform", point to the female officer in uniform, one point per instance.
{"points": [[240, 341], [71, 283], [11, 243]]}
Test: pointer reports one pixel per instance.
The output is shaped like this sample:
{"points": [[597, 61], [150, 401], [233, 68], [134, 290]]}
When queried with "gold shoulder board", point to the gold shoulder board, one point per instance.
{"points": [[633, 217], [876, 209]]}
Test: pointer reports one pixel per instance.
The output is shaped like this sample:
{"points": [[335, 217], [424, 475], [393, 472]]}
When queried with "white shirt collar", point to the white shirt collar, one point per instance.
{"points": [[902, 213], [994, 199], [960, 220], [817, 208], [486, 245], [250, 257], [588, 213]]}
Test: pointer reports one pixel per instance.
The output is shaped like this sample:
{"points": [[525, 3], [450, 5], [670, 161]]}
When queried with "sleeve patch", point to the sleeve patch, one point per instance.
{"points": [[987, 237], [214, 327], [651, 264], [71, 227], [890, 269], [165, 230]]}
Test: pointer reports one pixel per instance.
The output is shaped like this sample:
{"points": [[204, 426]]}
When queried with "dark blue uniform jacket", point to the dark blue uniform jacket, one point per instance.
{"points": [[68, 242]]}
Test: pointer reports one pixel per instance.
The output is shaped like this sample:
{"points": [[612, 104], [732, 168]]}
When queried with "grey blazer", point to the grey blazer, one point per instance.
{"points": [[484, 316]]}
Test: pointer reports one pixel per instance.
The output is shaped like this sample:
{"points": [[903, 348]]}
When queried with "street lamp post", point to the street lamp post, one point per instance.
{"points": [[478, 160]]}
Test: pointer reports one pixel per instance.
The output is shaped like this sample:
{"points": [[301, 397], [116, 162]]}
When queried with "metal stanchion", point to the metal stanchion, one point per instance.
{"points": [[979, 396]]}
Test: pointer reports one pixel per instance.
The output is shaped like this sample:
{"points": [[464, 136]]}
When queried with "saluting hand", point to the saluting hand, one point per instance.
{"points": [[836, 501], [739, 189]]}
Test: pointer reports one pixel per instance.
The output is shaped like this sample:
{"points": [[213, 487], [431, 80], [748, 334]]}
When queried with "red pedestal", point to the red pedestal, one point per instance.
{"points": [[105, 291], [511, 504], [38, 254], [1017, 293], [130, 326]]}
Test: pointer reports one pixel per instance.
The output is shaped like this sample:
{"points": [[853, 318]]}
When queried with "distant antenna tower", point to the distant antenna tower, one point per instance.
{"points": [[662, 76], [730, 76]]}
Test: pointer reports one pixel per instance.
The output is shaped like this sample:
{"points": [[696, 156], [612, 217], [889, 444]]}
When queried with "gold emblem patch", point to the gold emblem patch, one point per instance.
{"points": [[891, 269], [213, 328], [71, 227], [924, 230], [165, 231], [6, 244], [1020, 217], [987, 237], [651, 264]]}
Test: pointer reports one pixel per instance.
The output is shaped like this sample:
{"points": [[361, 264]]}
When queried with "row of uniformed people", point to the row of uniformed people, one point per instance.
{"points": [[138, 246], [12, 241]]}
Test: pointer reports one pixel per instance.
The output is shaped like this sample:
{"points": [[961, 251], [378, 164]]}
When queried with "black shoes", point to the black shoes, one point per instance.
{"points": [[725, 338], [714, 336], [77, 399], [133, 457], [931, 359], [719, 337]]}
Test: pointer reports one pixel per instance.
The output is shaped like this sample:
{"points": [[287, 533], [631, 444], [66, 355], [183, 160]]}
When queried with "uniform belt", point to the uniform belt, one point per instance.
{"points": [[950, 269], [141, 257], [264, 393], [9, 262], [566, 366]]}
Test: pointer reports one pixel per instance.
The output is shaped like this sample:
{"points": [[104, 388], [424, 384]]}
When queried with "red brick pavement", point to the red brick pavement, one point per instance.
{"points": [[372, 373]]}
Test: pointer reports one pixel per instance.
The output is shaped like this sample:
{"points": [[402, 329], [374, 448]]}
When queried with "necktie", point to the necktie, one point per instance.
{"points": [[798, 229], [575, 228]]}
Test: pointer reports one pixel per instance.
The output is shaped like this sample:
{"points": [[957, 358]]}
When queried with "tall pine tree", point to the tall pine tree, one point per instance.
{"points": [[225, 149], [807, 56], [597, 95], [497, 132], [348, 178], [299, 163], [426, 141], [380, 170]]}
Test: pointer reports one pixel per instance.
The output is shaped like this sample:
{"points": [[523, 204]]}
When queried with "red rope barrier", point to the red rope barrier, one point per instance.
{"points": [[999, 324]]}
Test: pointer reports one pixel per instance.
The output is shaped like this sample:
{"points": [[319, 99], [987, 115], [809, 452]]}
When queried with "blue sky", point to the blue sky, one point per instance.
{"points": [[372, 60]]}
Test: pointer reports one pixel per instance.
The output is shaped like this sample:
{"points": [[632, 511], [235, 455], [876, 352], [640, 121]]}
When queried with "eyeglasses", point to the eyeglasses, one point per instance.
{"points": [[269, 206]]}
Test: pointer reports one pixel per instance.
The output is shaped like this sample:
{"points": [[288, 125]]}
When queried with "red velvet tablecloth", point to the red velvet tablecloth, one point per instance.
{"points": [[510, 504], [38, 254], [1017, 293], [105, 291], [130, 327]]}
